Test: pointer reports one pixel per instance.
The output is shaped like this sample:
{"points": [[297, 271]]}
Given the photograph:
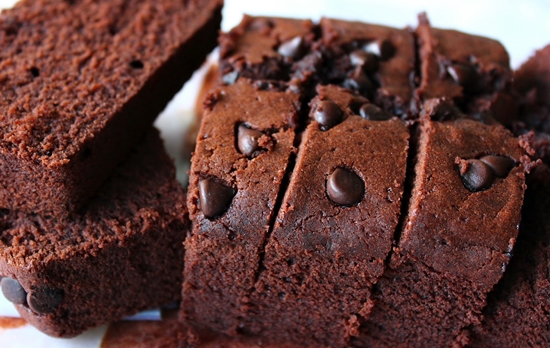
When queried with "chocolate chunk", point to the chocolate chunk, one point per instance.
{"points": [[13, 291], [247, 140], [45, 300], [214, 198], [381, 48], [291, 48], [358, 81], [368, 61], [476, 175], [373, 112], [461, 73], [500, 165], [328, 114], [344, 187], [230, 77]]}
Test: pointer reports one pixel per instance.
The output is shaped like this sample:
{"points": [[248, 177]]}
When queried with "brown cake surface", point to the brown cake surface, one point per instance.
{"points": [[80, 83], [456, 241], [335, 226], [119, 256], [473, 71], [517, 312], [243, 149], [376, 60]]}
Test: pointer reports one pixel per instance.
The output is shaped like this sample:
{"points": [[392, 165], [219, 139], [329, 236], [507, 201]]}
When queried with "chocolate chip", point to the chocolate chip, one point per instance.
{"points": [[215, 198], [230, 77], [381, 48], [247, 140], [45, 300], [461, 73], [368, 61], [476, 175], [373, 112], [358, 81], [344, 187], [291, 48], [328, 114], [500, 165], [13, 291]]}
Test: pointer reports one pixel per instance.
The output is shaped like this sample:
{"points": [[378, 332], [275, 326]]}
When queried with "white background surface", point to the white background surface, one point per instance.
{"points": [[522, 26]]}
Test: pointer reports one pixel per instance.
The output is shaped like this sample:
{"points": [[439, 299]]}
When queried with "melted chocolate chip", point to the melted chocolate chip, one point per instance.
{"points": [[461, 73], [247, 140], [368, 61], [381, 48], [500, 165], [45, 300], [344, 187], [328, 114], [215, 198], [13, 291], [358, 81], [291, 48], [373, 112], [476, 175]]}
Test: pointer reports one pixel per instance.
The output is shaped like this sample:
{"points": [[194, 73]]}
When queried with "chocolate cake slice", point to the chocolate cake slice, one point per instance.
{"points": [[517, 312], [335, 226], [80, 82], [461, 226], [264, 48], [119, 256], [374, 60], [243, 150], [471, 70]]}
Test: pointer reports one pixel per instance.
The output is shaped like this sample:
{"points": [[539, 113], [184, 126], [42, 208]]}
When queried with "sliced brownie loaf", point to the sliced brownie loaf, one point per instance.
{"points": [[471, 70], [373, 60], [80, 82], [461, 226], [264, 48], [242, 154], [122, 254], [517, 312], [335, 226]]}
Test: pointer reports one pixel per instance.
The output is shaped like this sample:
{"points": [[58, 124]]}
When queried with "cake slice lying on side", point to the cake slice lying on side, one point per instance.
{"points": [[121, 255], [80, 82], [243, 150], [335, 227], [461, 226]]}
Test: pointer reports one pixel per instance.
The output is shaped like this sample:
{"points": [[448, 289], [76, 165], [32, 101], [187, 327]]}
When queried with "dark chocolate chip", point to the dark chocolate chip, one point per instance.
{"points": [[381, 48], [13, 291], [230, 77], [247, 140], [344, 187], [328, 114], [368, 61], [45, 300], [360, 82], [476, 175], [291, 48], [373, 112], [461, 73], [215, 198], [500, 165]]}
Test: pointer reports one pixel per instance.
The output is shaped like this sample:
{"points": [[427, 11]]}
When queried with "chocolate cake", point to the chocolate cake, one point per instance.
{"points": [[473, 71], [369, 239], [457, 238], [239, 164], [120, 255], [335, 225], [80, 82], [377, 61], [517, 312]]}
